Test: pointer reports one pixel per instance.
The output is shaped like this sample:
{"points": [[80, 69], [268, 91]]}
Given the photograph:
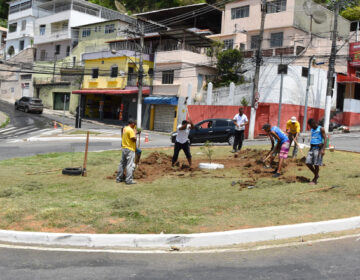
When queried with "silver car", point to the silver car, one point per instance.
{"points": [[29, 104]]}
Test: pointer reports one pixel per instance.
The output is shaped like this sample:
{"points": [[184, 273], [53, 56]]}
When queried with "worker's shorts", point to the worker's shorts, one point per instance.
{"points": [[284, 150], [314, 157]]}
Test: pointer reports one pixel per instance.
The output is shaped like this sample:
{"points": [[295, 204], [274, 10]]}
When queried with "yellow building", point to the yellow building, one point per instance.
{"points": [[110, 84]]}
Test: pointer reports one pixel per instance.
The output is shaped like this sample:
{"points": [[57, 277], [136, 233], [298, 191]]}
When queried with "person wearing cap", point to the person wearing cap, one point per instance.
{"points": [[293, 130], [127, 163]]}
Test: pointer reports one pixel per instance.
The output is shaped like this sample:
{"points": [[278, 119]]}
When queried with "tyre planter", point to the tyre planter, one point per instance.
{"points": [[212, 166], [72, 171]]}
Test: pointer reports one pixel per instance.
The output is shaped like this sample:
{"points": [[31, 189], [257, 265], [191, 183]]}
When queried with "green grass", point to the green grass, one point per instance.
{"points": [[82, 132], [170, 204], [7, 121]]}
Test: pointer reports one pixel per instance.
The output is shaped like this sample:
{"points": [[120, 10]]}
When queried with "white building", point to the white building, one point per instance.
{"points": [[53, 34]]}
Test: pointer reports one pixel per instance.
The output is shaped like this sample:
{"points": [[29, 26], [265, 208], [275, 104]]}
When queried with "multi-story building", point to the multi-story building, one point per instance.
{"points": [[290, 29], [21, 20], [348, 98], [54, 35]]}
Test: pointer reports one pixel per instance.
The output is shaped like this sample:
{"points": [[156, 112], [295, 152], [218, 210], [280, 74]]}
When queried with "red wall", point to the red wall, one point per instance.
{"points": [[351, 119], [266, 113]]}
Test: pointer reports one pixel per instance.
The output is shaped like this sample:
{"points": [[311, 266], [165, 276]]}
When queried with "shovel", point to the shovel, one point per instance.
{"points": [[138, 152]]}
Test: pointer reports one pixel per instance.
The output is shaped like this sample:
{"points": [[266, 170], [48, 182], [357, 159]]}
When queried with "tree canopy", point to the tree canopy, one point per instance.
{"points": [[229, 63]]}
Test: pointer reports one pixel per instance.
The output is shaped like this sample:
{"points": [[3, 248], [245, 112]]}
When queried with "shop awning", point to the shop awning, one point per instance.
{"points": [[110, 91], [161, 100], [347, 79]]}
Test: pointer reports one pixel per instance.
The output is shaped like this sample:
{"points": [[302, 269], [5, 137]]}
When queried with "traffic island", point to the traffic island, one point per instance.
{"points": [[35, 196]]}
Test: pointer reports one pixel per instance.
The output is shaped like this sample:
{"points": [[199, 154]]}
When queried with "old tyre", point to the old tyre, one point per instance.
{"points": [[72, 171], [212, 166], [231, 140], [26, 110]]}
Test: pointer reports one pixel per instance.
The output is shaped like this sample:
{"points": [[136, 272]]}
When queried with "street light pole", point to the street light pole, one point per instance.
{"points": [[257, 71], [140, 76], [307, 93]]}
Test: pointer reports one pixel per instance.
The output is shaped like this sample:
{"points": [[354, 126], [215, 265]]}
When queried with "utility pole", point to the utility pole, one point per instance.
{"points": [[331, 70], [258, 58], [140, 75], [281, 93], [307, 93]]}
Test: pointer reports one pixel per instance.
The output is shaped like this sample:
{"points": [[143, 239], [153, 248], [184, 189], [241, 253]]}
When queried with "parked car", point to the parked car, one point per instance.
{"points": [[213, 130], [29, 104]]}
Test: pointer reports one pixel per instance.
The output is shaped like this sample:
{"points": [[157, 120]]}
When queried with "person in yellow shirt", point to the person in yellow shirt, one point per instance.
{"points": [[127, 163], [293, 130]]}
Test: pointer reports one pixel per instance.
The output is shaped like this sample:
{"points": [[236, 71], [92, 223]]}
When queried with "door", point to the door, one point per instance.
{"points": [[222, 130], [164, 118], [262, 117], [340, 97], [59, 99], [25, 89]]}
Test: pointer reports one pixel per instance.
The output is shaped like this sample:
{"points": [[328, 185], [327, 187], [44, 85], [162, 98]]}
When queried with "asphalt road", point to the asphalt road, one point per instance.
{"points": [[326, 260]]}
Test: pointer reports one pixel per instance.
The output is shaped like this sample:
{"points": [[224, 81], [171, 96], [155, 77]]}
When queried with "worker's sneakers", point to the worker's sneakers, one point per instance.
{"points": [[131, 183], [276, 175], [233, 151], [119, 181]]}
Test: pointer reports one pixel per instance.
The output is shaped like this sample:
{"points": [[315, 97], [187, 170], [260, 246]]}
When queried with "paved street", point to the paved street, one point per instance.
{"points": [[326, 260]]}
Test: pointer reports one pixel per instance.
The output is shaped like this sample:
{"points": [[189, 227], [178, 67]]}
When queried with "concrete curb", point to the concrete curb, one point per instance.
{"points": [[197, 240]]}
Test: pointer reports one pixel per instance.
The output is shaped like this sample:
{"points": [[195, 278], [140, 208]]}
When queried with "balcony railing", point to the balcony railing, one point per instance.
{"points": [[288, 51]]}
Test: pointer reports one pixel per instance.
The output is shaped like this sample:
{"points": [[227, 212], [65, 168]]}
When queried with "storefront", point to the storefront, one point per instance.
{"points": [[116, 105], [163, 113]]}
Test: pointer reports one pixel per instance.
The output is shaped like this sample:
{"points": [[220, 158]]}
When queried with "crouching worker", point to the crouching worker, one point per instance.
{"points": [[317, 149], [126, 166], [182, 141], [283, 144]]}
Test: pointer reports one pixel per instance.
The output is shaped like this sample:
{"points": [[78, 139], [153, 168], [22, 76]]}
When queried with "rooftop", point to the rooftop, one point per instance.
{"points": [[202, 16]]}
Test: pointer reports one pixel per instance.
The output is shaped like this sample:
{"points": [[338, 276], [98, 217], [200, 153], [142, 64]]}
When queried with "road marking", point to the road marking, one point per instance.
{"points": [[6, 129], [25, 132], [19, 130]]}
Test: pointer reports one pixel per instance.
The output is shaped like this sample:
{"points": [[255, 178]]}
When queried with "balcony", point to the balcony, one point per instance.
{"points": [[52, 37], [286, 51], [56, 80]]}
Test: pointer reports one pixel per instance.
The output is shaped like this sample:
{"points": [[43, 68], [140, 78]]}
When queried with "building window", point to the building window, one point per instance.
{"points": [[276, 39], [242, 47], [228, 44], [21, 45], [86, 32], [42, 29], [255, 41], [12, 27], [109, 28], [23, 25], [67, 50], [57, 49], [276, 6], [95, 73], [240, 12], [114, 71], [168, 77], [43, 55]]}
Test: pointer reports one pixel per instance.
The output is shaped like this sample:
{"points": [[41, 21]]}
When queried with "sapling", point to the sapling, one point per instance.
{"points": [[208, 150]]}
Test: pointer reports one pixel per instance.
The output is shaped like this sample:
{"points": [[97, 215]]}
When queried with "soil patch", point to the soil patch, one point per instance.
{"points": [[249, 161]]}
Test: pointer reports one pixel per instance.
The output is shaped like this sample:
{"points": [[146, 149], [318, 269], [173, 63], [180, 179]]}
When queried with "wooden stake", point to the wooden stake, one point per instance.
{"points": [[84, 173]]}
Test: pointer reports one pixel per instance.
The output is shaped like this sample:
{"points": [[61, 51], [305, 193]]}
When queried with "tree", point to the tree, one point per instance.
{"points": [[351, 13], [229, 63]]}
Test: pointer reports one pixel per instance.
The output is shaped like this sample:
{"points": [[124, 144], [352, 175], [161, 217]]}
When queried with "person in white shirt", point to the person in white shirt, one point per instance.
{"points": [[240, 120], [182, 141]]}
